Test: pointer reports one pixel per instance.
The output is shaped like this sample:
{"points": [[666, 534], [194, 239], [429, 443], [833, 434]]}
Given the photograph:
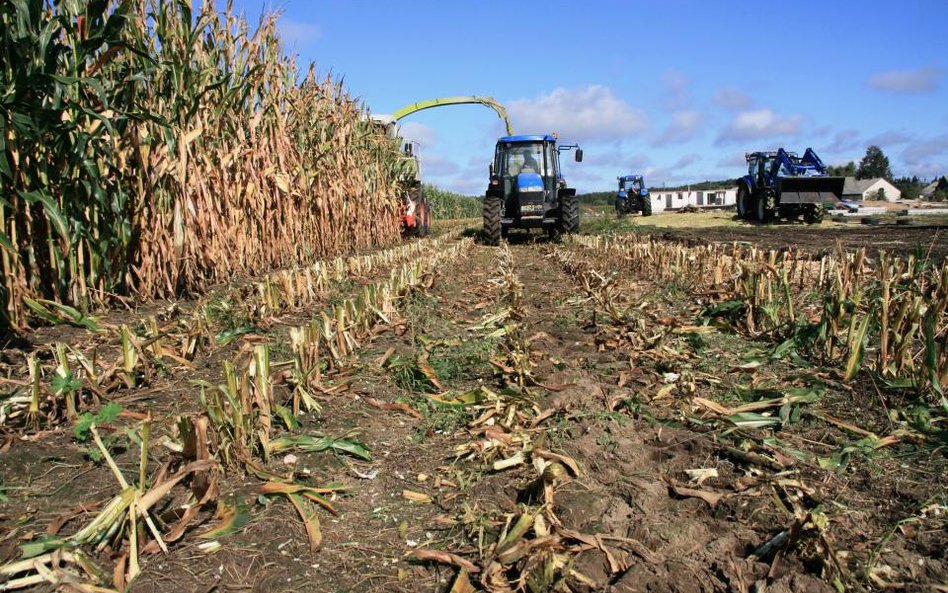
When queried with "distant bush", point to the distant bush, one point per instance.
{"points": [[599, 198], [446, 205]]}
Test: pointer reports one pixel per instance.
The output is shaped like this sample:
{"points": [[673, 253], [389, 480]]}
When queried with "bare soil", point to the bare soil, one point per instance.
{"points": [[624, 410]]}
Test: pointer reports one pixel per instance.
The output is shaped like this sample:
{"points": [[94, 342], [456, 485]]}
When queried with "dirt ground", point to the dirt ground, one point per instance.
{"points": [[655, 495]]}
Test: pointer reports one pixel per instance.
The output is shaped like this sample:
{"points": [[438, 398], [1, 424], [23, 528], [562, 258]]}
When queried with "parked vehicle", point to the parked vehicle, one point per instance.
{"points": [[782, 185]]}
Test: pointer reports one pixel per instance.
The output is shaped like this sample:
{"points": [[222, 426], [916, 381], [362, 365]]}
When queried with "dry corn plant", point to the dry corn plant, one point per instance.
{"points": [[212, 155], [133, 522], [896, 310], [57, 390], [243, 409]]}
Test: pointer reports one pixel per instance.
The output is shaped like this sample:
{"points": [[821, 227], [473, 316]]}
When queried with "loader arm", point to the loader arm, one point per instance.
{"points": [[486, 101], [810, 158]]}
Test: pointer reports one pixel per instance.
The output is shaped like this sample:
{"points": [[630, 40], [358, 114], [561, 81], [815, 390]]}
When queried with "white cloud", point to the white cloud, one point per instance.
{"points": [[921, 80], [684, 161], [734, 161], [685, 126], [889, 138], [758, 124], [732, 98], [435, 165], [925, 157], [578, 114], [420, 133], [298, 33], [677, 96], [844, 140], [611, 159]]}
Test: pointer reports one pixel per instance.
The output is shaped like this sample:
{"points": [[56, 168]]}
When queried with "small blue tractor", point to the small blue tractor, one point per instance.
{"points": [[783, 185], [633, 196], [527, 189]]}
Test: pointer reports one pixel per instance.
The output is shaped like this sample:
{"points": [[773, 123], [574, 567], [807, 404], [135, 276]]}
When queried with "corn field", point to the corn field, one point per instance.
{"points": [[889, 316], [150, 149]]}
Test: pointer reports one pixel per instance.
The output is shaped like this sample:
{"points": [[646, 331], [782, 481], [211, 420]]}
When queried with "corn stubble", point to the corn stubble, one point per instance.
{"points": [[146, 149], [888, 316]]}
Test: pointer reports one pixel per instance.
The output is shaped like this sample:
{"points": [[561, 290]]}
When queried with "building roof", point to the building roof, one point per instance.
{"points": [[939, 183], [859, 186]]}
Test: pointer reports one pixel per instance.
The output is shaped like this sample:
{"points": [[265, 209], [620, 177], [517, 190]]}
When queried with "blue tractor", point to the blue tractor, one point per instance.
{"points": [[783, 185], [527, 189], [633, 196]]}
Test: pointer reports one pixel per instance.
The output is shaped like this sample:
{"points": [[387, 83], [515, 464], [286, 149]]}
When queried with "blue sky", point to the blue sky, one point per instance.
{"points": [[677, 90]]}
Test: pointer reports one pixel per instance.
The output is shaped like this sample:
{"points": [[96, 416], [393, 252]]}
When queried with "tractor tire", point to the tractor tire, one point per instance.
{"points": [[422, 218], [620, 209], [492, 219], [813, 213], [766, 208], [569, 214], [647, 206], [744, 205]]}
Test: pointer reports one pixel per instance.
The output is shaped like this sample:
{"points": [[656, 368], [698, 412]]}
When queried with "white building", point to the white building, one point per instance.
{"points": [[673, 200], [868, 189]]}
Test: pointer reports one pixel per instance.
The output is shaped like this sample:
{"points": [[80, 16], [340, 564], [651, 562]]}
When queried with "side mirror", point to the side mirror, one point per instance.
{"points": [[579, 155], [490, 170]]}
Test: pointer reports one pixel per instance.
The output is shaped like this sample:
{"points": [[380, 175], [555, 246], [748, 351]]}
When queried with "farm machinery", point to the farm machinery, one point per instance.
{"points": [[783, 185], [527, 189], [415, 213], [633, 196]]}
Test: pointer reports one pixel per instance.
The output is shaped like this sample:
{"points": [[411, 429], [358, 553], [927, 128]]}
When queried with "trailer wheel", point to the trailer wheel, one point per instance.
{"points": [[647, 206], [743, 204], [766, 208], [813, 213], [569, 214], [492, 219]]}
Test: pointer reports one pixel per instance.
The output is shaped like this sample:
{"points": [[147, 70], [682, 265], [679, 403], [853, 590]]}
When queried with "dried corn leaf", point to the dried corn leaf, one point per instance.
{"points": [[310, 520], [231, 519], [416, 496], [442, 557]]}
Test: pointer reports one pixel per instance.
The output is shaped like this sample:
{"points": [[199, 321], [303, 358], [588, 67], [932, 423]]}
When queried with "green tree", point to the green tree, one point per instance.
{"points": [[847, 170], [874, 164]]}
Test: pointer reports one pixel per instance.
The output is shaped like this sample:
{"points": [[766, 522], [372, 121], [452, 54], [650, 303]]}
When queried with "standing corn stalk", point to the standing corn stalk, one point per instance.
{"points": [[148, 150]]}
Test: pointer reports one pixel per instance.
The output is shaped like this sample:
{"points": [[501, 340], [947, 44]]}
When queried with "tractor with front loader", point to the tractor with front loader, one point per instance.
{"points": [[527, 189], [781, 184], [633, 196]]}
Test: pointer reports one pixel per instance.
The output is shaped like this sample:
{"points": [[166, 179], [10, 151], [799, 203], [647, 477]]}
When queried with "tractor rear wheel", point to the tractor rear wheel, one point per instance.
{"points": [[813, 213], [569, 214], [766, 208], [492, 219], [647, 206], [744, 208]]}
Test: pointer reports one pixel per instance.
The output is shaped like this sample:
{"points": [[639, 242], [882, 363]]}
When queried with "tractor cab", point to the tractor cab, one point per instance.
{"points": [[629, 184], [527, 188]]}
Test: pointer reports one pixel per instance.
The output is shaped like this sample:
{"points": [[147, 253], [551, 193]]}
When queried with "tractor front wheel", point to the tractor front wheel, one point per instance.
{"points": [[569, 214], [492, 219], [647, 206], [743, 204], [766, 208], [620, 208], [813, 213]]}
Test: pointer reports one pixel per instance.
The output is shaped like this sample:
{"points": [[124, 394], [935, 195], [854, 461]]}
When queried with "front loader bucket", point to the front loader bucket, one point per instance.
{"points": [[809, 190]]}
